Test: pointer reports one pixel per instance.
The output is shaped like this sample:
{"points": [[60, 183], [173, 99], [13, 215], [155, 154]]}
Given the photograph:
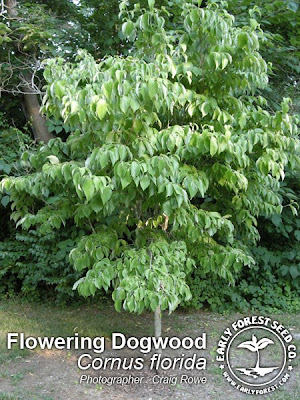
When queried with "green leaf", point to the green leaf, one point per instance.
{"points": [[213, 148], [156, 39], [242, 40], [144, 21], [217, 59], [5, 200], [103, 159], [124, 104], [127, 28], [145, 182], [169, 190], [125, 181], [82, 262], [101, 108], [294, 271], [253, 23], [107, 89], [224, 62], [134, 104], [74, 107], [5, 167], [96, 204], [154, 303], [152, 88], [205, 108], [194, 16], [77, 283], [88, 188], [59, 89], [53, 159], [134, 169], [297, 235], [293, 5], [106, 194], [193, 189], [276, 219], [167, 208]]}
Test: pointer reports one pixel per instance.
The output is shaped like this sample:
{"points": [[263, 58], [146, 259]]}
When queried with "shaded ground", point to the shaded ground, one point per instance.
{"points": [[54, 375]]}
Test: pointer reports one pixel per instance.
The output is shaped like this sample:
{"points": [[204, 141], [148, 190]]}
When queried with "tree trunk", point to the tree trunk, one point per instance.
{"points": [[157, 325], [11, 6], [32, 105], [31, 101], [157, 322]]}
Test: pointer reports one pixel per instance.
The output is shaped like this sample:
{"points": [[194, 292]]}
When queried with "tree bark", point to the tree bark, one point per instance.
{"points": [[157, 322], [11, 6], [157, 325], [39, 127], [31, 100]]}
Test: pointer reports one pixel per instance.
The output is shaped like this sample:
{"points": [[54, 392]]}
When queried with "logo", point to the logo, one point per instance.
{"points": [[255, 355]]}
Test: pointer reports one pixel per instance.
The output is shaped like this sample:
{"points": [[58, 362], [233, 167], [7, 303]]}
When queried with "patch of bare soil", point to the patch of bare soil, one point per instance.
{"points": [[54, 375]]}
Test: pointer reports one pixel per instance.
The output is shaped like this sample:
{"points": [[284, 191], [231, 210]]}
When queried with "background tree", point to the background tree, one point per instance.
{"points": [[280, 35], [26, 84], [31, 32]]}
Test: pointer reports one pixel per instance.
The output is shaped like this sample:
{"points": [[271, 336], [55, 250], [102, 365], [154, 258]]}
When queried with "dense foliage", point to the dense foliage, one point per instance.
{"points": [[180, 158], [280, 35], [171, 162], [38, 265]]}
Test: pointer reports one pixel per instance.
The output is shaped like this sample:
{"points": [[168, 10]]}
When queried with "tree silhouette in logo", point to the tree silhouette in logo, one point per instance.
{"points": [[256, 345]]}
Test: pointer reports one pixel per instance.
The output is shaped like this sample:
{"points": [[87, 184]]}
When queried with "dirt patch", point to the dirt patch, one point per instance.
{"points": [[54, 375]]}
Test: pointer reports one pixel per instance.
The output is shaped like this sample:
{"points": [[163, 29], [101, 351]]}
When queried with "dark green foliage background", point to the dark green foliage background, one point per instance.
{"points": [[274, 282], [38, 266], [30, 264]]}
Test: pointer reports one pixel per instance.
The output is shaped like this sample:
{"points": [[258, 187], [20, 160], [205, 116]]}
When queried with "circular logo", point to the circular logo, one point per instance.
{"points": [[255, 354]]}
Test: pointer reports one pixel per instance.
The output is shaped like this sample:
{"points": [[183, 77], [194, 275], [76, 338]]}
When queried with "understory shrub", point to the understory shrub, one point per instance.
{"points": [[37, 266], [261, 288], [273, 283]]}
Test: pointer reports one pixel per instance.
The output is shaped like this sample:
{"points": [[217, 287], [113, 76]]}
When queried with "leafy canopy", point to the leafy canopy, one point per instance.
{"points": [[171, 159], [280, 35]]}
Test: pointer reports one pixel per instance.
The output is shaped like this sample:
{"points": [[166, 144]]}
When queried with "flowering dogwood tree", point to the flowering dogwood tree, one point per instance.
{"points": [[172, 156]]}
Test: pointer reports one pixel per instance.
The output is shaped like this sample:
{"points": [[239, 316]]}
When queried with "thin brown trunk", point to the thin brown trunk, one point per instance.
{"points": [[31, 101]]}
